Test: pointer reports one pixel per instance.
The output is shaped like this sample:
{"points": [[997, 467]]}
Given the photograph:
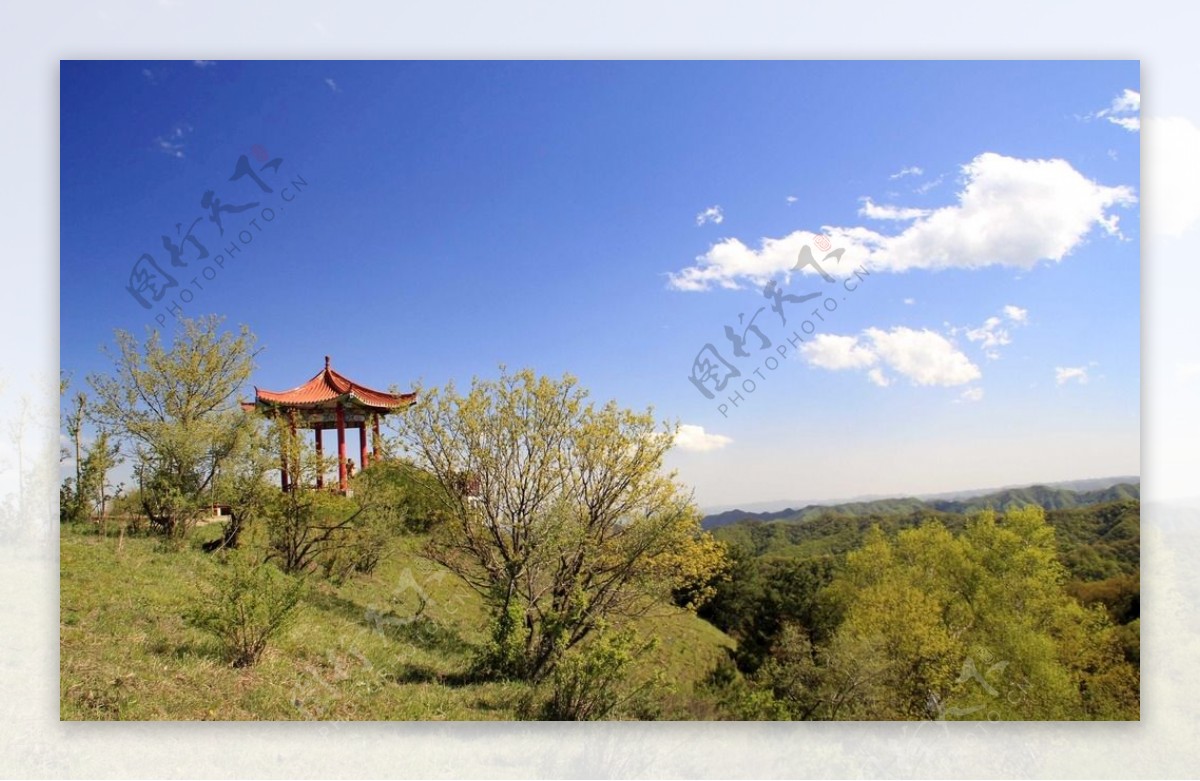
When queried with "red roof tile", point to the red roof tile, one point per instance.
{"points": [[329, 386]]}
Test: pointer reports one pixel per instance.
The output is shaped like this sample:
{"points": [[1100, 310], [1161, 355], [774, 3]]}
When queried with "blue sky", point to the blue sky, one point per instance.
{"points": [[462, 215]]}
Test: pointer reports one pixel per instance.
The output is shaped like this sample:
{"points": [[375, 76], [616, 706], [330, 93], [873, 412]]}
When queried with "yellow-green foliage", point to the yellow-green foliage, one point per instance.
{"points": [[975, 625], [557, 511]]}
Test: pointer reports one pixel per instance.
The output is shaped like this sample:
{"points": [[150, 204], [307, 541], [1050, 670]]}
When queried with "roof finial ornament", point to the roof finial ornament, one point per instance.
{"points": [[326, 361]]}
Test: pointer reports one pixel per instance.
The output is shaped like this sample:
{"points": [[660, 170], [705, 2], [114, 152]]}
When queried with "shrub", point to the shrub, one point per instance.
{"points": [[593, 683], [503, 656], [247, 605]]}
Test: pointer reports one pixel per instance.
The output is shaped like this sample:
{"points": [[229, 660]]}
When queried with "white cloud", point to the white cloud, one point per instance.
{"points": [[972, 394], [332, 85], [1016, 314], [172, 143], [791, 199], [1127, 101], [729, 263], [712, 214], [830, 351], [1064, 374], [1172, 171], [1011, 212], [695, 439], [1123, 111], [874, 211], [911, 170], [1132, 124], [925, 187], [992, 334], [910, 301], [924, 357]]}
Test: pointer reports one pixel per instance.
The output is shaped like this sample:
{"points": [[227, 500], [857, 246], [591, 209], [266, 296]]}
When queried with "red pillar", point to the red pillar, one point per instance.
{"points": [[362, 444], [320, 456], [375, 440], [341, 425]]}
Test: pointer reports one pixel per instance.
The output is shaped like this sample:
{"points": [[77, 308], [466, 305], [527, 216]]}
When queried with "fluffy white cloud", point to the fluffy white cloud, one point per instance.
{"points": [[791, 199], [1016, 314], [696, 440], [1172, 157], [712, 214], [1124, 111], [912, 170], [730, 263], [925, 357], [830, 351], [1065, 374], [972, 394], [874, 211], [991, 334], [1127, 101], [1011, 212], [910, 301]]}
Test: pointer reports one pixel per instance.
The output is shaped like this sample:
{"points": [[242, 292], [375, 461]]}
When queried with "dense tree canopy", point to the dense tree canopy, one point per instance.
{"points": [[930, 624]]}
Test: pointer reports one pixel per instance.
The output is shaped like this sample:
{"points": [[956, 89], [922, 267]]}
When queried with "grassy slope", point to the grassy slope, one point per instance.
{"points": [[364, 650]]}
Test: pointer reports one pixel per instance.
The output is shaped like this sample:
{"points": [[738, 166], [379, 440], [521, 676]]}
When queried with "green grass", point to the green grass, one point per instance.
{"points": [[395, 644]]}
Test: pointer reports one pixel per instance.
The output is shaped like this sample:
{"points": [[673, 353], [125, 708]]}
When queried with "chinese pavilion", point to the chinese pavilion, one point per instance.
{"points": [[331, 400]]}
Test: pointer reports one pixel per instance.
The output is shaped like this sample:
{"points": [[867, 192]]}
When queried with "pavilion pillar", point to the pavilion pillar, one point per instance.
{"points": [[375, 439], [293, 477], [362, 444], [320, 457], [283, 460], [341, 428]]}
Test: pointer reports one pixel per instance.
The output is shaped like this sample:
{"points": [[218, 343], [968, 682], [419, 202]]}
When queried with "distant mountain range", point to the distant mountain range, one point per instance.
{"points": [[1054, 496]]}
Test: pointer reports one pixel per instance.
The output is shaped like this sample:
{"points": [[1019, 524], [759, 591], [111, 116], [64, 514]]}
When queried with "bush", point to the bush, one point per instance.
{"points": [[503, 656], [247, 605], [592, 683]]}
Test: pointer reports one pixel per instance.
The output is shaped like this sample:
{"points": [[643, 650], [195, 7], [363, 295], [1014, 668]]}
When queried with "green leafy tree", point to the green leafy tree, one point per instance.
{"points": [[102, 457], [73, 505], [933, 625], [177, 407], [557, 511]]}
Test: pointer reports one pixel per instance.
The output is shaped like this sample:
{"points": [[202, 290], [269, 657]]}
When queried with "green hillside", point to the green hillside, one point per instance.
{"points": [[395, 644]]}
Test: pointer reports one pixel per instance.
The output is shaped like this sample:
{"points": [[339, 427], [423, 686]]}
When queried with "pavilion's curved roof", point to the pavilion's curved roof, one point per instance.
{"points": [[329, 387]]}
